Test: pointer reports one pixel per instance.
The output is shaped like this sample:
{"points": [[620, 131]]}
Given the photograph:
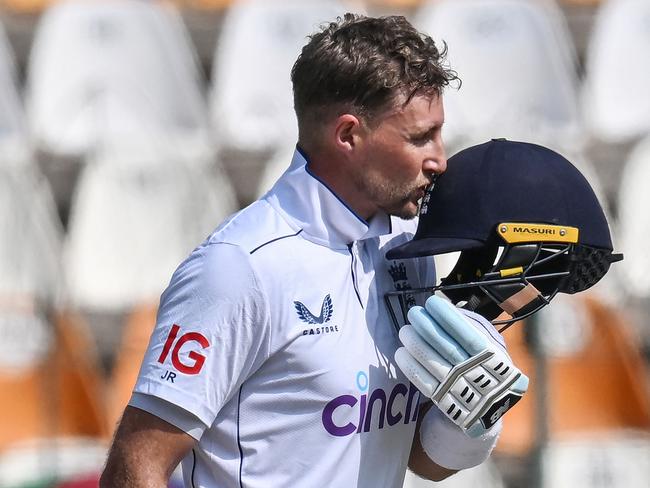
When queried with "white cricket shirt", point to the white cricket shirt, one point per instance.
{"points": [[274, 347]]}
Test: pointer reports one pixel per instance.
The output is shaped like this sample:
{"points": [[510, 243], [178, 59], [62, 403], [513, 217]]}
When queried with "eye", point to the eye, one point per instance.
{"points": [[422, 139]]}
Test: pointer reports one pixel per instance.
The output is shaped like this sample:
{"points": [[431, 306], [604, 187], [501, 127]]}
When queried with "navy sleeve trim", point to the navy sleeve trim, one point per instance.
{"points": [[169, 412], [241, 452], [273, 240], [193, 467]]}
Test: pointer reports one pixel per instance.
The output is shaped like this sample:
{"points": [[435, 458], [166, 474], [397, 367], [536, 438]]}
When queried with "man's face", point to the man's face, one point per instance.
{"points": [[401, 155]]}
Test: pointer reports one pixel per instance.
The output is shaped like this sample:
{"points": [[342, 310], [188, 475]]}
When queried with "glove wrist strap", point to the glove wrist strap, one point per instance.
{"points": [[448, 446]]}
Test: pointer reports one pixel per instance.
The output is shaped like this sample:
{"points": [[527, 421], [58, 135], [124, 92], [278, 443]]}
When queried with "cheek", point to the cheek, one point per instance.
{"points": [[408, 164], [397, 163]]}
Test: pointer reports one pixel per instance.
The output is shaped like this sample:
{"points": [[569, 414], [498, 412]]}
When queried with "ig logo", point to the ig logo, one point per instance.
{"points": [[194, 366]]}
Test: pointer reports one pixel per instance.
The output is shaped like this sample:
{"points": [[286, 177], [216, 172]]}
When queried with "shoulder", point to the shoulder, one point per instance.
{"points": [[213, 275], [216, 284], [253, 227]]}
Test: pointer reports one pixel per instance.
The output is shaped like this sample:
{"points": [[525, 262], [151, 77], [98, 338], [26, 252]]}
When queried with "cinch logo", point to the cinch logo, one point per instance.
{"points": [[400, 405], [326, 311], [197, 359], [533, 230]]}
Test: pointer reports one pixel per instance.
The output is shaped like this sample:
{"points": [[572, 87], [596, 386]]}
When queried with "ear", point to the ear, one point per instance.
{"points": [[348, 132]]}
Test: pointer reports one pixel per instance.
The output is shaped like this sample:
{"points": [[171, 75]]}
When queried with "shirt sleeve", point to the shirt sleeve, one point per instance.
{"points": [[170, 413], [212, 332]]}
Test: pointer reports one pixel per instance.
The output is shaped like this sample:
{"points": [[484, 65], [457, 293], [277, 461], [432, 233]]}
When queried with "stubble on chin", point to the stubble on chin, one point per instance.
{"points": [[399, 201], [402, 204], [407, 211]]}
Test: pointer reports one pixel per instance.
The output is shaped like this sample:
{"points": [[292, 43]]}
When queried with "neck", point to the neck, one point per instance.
{"points": [[337, 175]]}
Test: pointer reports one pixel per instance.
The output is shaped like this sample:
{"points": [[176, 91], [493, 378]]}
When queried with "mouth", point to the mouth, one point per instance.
{"points": [[418, 195], [422, 190]]}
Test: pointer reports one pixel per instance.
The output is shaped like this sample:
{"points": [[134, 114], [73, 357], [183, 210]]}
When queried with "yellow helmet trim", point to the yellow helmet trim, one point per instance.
{"points": [[514, 233], [505, 273]]}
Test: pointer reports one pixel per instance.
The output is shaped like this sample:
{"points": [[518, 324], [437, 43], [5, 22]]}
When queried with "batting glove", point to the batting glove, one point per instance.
{"points": [[453, 357]]}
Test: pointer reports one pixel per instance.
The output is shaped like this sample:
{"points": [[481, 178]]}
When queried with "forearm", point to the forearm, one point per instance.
{"points": [[145, 452], [126, 469]]}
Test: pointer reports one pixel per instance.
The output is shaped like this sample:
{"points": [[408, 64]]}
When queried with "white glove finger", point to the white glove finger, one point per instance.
{"points": [[415, 372], [422, 351], [456, 325], [436, 336]]}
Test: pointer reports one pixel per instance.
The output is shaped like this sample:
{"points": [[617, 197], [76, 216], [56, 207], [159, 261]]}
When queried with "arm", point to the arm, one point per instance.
{"points": [[419, 462], [145, 451], [216, 310]]}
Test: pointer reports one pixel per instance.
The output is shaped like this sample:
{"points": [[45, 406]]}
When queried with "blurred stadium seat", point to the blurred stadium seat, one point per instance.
{"points": [[597, 384], [485, 476], [30, 241], [634, 225], [104, 70], [398, 4], [612, 461], [634, 200], [25, 6], [275, 167], [55, 376], [44, 464], [13, 130], [133, 344], [615, 96], [51, 397], [136, 215], [205, 4], [517, 65], [51, 393], [251, 99]]}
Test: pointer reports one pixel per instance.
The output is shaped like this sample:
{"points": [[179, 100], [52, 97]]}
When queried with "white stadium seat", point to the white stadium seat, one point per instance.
{"points": [[596, 385], [135, 216], [275, 167], [102, 71], [52, 421], [13, 129], [612, 461], [634, 221], [251, 99], [617, 73], [50, 398], [30, 268], [65, 460], [30, 239], [516, 62], [484, 476]]}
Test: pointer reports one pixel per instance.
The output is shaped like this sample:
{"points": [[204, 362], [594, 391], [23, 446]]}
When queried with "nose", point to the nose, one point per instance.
{"points": [[436, 163]]}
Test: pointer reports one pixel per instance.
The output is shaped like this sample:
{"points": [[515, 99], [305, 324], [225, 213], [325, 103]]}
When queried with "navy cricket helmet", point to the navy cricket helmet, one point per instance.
{"points": [[527, 223]]}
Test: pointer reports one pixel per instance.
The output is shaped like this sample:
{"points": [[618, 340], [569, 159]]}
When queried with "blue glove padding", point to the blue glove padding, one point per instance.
{"points": [[455, 358]]}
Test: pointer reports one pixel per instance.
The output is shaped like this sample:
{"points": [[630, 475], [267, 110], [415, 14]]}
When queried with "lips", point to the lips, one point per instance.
{"points": [[420, 192]]}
